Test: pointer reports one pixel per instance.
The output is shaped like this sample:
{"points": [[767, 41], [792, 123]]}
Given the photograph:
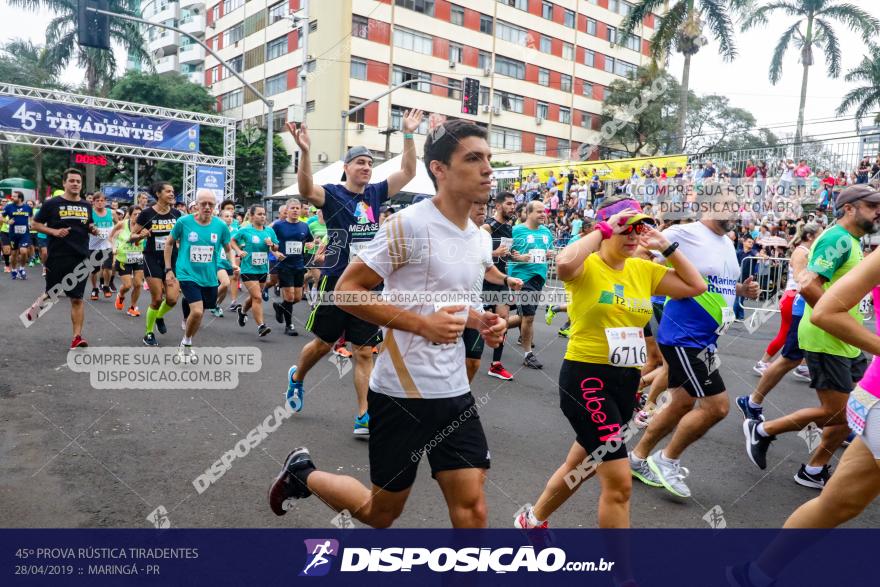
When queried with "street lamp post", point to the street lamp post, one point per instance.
{"points": [[269, 103]]}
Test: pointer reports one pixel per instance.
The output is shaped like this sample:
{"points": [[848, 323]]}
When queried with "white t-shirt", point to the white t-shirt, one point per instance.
{"points": [[485, 258], [420, 250]]}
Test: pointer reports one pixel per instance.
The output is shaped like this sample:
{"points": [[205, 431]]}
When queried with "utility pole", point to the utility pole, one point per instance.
{"points": [[269, 103]]}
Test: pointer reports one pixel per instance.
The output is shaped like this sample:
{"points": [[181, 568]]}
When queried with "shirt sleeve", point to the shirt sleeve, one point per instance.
{"points": [[519, 240], [330, 204], [390, 249], [272, 235], [177, 231], [381, 189], [657, 273], [225, 235], [43, 213], [829, 254]]}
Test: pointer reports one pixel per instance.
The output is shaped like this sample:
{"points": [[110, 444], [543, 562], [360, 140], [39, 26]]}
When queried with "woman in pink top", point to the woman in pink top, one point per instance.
{"points": [[856, 482]]}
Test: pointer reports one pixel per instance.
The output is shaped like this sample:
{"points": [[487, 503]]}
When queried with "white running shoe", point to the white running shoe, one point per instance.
{"points": [[760, 367]]}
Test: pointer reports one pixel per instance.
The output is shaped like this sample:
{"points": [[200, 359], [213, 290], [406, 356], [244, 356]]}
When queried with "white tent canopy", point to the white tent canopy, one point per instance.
{"points": [[420, 184], [330, 174]]}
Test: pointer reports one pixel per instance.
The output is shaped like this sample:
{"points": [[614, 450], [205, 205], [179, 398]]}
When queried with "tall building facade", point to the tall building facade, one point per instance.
{"points": [[543, 66], [172, 51]]}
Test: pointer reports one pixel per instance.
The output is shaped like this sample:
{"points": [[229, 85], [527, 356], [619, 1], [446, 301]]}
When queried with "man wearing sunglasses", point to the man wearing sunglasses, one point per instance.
{"points": [[687, 337]]}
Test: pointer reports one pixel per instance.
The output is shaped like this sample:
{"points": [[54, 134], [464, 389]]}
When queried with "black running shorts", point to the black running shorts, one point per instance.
{"points": [[696, 370], [598, 401], [402, 429], [328, 321], [66, 273], [473, 343], [835, 372]]}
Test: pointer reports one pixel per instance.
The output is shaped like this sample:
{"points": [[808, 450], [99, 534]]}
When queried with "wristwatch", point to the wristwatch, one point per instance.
{"points": [[670, 249]]}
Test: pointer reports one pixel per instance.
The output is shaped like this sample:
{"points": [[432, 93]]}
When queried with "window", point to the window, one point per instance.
{"points": [[565, 83], [310, 106], [276, 48], [484, 60], [279, 118], [313, 26], [502, 138], [277, 11], [230, 5], [542, 110], [567, 51], [590, 57], [231, 100], [484, 95], [407, 39], [521, 4], [360, 26], [624, 69], [563, 149], [485, 24], [541, 145], [586, 119], [276, 84], [625, 8], [591, 26], [564, 115], [403, 74], [236, 62], [603, 92], [614, 5], [233, 35], [423, 6], [511, 33], [543, 76], [547, 10], [510, 67], [609, 64], [358, 69], [454, 91], [508, 101], [546, 45], [632, 42], [397, 120], [611, 35], [456, 15], [359, 116], [456, 53], [570, 19], [588, 89], [215, 13]]}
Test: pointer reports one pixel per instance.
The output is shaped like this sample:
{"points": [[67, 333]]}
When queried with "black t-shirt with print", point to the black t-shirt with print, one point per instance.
{"points": [[59, 212], [160, 226]]}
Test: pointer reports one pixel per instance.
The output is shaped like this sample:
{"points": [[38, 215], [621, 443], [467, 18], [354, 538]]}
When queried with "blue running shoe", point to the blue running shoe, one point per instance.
{"points": [[294, 391], [748, 412], [362, 425]]}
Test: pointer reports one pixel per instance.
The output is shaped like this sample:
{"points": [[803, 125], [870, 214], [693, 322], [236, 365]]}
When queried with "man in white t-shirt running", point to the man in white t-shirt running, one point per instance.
{"points": [[418, 389]]}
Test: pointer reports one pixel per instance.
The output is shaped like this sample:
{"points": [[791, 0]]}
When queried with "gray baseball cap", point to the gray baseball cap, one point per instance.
{"points": [[862, 192], [356, 152]]}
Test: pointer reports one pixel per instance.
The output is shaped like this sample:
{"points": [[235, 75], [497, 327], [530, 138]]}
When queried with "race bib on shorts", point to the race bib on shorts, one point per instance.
{"points": [[538, 255], [293, 248], [104, 232], [160, 243], [727, 318], [20, 229], [857, 408], [626, 346], [355, 248], [259, 259], [201, 254], [134, 258]]}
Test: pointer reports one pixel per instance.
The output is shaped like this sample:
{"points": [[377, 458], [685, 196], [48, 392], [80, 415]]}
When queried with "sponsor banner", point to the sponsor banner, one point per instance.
{"points": [[161, 555], [211, 178], [54, 119], [611, 169]]}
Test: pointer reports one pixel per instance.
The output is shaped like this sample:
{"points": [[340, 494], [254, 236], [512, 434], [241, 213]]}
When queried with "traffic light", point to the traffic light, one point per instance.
{"points": [[92, 29], [470, 96]]}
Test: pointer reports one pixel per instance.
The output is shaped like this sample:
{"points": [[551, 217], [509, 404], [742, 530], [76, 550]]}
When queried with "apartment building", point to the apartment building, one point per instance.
{"points": [[543, 66], [172, 51]]}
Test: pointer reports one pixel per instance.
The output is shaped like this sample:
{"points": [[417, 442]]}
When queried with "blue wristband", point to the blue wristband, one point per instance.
{"points": [[407, 135]]}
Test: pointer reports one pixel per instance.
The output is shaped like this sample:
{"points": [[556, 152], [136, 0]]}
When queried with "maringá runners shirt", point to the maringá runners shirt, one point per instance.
{"points": [[602, 297], [420, 250], [198, 249], [696, 322], [832, 256]]}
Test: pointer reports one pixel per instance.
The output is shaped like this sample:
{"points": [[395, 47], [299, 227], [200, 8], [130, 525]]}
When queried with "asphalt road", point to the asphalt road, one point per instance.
{"points": [[75, 456]]}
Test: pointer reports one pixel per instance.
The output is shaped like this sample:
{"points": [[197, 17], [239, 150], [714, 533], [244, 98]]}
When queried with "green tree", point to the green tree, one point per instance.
{"points": [[812, 30], [100, 65], [715, 125], [867, 97], [250, 162], [681, 29], [22, 63]]}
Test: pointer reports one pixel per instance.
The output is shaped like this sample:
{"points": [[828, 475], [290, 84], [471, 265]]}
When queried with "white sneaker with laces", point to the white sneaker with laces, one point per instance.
{"points": [[671, 475]]}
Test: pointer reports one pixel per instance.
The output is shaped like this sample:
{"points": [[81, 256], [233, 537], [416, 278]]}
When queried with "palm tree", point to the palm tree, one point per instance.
{"points": [[63, 48], [812, 30], [866, 97], [681, 29]]}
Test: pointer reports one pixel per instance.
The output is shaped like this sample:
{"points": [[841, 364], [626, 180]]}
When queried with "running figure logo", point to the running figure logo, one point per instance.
{"points": [[319, 554]]}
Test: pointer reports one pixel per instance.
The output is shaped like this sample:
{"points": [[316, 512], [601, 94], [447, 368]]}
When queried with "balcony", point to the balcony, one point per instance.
{"points": [[166, 41], [196, 77], [166, 64], [193, 24], [169, 12], [191, 54], [193, 4]]}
